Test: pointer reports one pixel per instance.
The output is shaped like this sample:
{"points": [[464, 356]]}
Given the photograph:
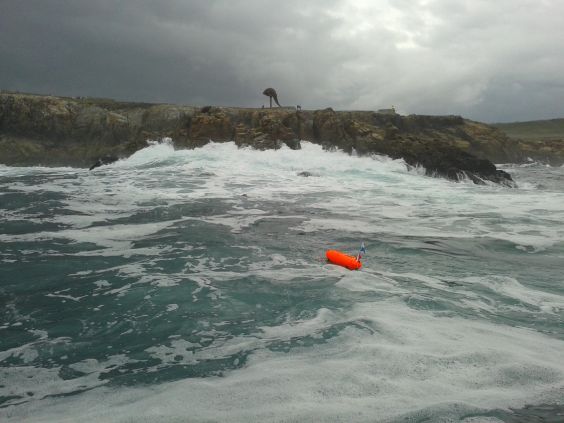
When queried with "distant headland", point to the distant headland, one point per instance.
{"points": [[54, 131]]}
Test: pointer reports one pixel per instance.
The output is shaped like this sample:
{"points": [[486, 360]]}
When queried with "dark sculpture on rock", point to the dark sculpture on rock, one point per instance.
{"points": [[271, 93]]}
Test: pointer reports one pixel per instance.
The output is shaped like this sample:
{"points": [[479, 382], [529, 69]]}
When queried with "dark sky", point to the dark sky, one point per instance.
{"points": [[489, 60]]}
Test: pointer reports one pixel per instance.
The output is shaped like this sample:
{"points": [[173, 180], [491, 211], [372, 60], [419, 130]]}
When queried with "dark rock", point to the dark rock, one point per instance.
{"points": [[263, 142], [543, 413], [305, 174], [66, 131], [442, 159], [293, 144], [104, 161], [216, 126], [329, 128]]}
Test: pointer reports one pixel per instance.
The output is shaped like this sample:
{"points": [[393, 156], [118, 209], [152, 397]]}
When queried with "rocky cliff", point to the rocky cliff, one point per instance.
{"points": [[77, 131], [539, 140]]}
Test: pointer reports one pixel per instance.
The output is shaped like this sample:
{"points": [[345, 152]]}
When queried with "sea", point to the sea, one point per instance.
{"points": [[192, 286]]}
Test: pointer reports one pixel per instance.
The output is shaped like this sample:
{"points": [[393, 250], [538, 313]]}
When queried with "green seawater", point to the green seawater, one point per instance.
{"points": [[192, 286]]}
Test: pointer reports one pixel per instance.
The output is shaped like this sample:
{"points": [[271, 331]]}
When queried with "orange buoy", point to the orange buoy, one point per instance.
{"points": [[341, 259]]}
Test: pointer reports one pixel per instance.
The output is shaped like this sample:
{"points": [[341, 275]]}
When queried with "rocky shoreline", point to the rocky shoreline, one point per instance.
{"points": [[55, 131]]}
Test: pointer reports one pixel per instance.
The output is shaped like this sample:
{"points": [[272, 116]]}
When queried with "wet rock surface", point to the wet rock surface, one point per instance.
{"points": [[45, 130]]}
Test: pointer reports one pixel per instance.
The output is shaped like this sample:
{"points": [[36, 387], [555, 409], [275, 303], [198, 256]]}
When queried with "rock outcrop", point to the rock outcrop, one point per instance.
{"points": [[67, 131], [539, 140]]}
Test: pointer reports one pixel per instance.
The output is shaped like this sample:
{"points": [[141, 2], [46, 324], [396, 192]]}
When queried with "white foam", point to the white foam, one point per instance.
{"points": [[381, 359], [67, 297], [364, 281], [511, 288], [110, 236], [155, 152], [29, 351], [179, 350], [392, 362], [172, 307], [374, 193]]}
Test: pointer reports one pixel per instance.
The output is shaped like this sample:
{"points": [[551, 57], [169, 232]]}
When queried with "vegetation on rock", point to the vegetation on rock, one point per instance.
{"points": [[78, 131]]}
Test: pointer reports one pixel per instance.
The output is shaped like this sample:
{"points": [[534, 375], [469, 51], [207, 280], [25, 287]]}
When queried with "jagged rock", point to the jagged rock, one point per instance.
{"points": [[68, 131], [293, 144], [550, 151], [265, 143], [272, 126], [329, 128], [105, 160], [215, 127], [267, 131], [455, 164]]}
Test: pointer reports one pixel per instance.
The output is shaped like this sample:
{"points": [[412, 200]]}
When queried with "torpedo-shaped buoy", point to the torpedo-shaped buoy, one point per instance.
{"points": [[342, 259]]}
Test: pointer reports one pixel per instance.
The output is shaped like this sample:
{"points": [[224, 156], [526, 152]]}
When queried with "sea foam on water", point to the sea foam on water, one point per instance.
{"points": [[191, 285]]}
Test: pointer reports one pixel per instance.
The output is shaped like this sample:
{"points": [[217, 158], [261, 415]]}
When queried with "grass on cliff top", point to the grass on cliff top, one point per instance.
{"points": [[533, 130]]}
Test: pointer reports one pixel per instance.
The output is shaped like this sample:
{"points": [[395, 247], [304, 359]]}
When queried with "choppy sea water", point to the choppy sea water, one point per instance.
{"points": [[191, 286]]}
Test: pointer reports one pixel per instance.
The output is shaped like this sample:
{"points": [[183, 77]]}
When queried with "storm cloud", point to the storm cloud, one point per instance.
{"points": [[487, 60]]}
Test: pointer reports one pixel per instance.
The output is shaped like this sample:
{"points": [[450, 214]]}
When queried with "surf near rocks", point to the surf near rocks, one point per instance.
{"points": [[47, 130]]}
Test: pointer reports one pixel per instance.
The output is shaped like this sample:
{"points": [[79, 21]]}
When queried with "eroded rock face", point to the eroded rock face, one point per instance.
{"points": [[453, 163], [329, 128], [215, 125], [541, 141], [549, 151], [265, 130], [53, 130]]}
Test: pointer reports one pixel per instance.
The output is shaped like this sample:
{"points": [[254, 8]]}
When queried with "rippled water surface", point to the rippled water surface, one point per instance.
{"points": [[192, 286]]}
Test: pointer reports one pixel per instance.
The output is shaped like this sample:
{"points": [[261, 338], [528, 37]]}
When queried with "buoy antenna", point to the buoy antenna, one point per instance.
{"points": [[361, 251]]}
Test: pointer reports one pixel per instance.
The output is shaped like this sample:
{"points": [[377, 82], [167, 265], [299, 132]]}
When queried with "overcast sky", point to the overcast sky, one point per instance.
{"points": [[488, 60]]}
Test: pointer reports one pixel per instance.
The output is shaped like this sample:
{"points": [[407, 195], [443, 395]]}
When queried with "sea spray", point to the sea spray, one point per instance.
{"points": [[191, 285]]}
